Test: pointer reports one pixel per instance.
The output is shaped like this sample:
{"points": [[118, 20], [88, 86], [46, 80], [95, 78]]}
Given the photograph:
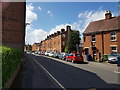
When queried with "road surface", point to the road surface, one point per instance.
{"points": [[45, 72]]}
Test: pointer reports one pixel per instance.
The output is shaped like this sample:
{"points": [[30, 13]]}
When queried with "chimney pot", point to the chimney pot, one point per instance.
{"points": [[108, 15]]}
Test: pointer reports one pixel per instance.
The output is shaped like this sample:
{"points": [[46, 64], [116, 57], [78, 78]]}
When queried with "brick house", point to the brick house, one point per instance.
{"points": [[56, 42], [36, 47], [13, 24], [102, 37]]}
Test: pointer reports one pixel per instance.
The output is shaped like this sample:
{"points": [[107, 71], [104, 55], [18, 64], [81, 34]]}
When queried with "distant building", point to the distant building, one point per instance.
{"points": [[36, 47], [102, 37], [13, 24], [55, 42]]}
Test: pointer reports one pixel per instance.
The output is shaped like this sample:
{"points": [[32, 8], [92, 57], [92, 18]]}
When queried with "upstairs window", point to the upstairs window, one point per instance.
{"points": [[63, 35], [93, 38], [113, 36], [63, 43]]}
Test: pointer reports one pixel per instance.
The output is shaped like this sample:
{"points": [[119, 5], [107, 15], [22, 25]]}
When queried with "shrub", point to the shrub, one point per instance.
{"points": [[105, 57], [11, 58]]}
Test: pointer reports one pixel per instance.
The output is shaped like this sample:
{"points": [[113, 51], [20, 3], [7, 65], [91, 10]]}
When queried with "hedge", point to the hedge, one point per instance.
{"points": [[11, 59]]}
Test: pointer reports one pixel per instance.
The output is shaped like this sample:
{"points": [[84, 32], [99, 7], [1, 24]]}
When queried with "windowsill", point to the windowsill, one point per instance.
{"points": [[93, 41], [113, 40]]}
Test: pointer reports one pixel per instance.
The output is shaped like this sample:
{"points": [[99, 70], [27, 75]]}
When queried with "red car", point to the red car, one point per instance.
{"points": [[74, 57]]}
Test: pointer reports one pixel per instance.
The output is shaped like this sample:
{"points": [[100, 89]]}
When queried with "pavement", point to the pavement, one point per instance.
{"points": [[45, 72]]}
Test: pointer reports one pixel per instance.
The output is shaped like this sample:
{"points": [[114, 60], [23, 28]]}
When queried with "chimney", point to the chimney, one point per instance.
{"points": [[58, 32], [47, 36], [55, 34], [68, 31], [62, 30], [108, 15], [52, 35]]}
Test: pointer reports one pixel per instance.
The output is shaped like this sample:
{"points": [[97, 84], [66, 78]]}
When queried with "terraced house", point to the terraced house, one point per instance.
{"points": [[55, 42], [102, 37]]}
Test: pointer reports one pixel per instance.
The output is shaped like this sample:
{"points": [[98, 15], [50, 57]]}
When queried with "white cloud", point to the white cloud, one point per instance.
{"points": [[90, 16], [30, 15], [57, 28], [39, 8], [34, 35], [50, 13]]}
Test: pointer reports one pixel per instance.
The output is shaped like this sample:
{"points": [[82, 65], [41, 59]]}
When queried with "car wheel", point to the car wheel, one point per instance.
{"points": [[72, 61]]}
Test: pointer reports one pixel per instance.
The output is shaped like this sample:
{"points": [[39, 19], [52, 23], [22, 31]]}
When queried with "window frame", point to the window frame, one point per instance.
{"points": [[113, 50], [93, 38], [113, 36]]}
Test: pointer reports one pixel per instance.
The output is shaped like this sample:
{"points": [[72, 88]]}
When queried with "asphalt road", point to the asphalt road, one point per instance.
{"points": [[44, 72]]}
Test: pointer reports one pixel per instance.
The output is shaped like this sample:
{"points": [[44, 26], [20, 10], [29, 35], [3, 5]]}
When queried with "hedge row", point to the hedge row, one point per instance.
{"points": [[11, 58]]}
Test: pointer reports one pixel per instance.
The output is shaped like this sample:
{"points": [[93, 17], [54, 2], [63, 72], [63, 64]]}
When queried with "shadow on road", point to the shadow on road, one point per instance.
{"points": [[69, 76]]}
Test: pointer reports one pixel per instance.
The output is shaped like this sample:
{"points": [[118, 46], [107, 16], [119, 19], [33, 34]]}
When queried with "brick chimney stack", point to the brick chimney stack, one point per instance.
{"points": [[62, 30], [108, 15], [68, 31]]}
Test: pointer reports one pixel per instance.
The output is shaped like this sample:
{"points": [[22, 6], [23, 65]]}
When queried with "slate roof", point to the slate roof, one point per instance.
{"points": [[103, 25]]}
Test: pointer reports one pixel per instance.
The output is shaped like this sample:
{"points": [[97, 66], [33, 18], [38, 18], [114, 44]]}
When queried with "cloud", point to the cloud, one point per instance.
{"points": [[57, 28], [39, 8], [34, 35], [50, 13], [30, 15]]}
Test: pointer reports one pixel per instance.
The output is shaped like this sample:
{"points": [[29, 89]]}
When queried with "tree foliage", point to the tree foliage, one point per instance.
{"points": [[73, 41]]}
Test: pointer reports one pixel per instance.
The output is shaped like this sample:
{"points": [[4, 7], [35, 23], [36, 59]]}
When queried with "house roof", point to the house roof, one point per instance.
{"points": [[103, 25]]}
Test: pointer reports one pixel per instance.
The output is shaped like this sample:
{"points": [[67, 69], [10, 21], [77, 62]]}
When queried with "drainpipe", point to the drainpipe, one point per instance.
{"points": [[102, 43]]}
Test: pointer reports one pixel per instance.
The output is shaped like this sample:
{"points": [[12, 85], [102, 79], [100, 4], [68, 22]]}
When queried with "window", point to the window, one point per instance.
{"points": [[93, 38], [63, 35], [113, 36], [63, 42], [58, 43], [113, 49]]}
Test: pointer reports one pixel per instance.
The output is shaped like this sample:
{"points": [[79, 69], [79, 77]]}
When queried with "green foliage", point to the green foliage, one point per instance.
{"points": [[73, 41], [105, 57], [11, 58], [67, 49]]}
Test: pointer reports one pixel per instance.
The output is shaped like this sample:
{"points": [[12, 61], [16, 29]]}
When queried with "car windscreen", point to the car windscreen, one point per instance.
{"points": [[78, 55]]}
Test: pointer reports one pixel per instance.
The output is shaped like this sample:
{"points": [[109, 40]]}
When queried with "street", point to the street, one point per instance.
{"points": [[44, 72]]}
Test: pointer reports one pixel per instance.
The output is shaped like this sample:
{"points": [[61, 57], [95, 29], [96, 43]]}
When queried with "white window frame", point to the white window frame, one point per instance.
{"points": [[63, 43], [94, 38], [63, 35], [113, 36], [113, 50]]}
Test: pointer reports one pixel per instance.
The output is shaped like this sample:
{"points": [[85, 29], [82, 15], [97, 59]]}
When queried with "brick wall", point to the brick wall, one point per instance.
{"points": [[107, 43], [13, 24]]}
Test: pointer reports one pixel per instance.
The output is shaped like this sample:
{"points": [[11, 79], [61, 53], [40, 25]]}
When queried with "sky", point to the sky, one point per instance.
{"points": [[46, 18]]}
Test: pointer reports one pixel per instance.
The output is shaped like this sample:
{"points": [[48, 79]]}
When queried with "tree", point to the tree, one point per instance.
{"points": [[73, 41]]}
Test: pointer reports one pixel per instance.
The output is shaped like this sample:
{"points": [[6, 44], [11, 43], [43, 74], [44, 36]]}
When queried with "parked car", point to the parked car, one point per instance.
{"points": [[56, 54], [51, 54], [63, 55], [47, 53], [42, 53], [39, 52], [113, 58], [74, 57]]}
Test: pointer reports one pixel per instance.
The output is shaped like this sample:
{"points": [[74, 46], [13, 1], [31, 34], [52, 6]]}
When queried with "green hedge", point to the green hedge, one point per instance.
{"points": [[105, 57], [11, 59]]}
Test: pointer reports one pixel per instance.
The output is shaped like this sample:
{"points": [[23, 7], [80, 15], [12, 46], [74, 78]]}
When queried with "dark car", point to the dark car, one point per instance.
{"points": [[74, 57]]}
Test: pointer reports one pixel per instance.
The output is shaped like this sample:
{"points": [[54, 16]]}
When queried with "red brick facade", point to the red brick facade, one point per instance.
{"points": [[55, 42], [13, 24], [103, 43], [36, 47]]}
